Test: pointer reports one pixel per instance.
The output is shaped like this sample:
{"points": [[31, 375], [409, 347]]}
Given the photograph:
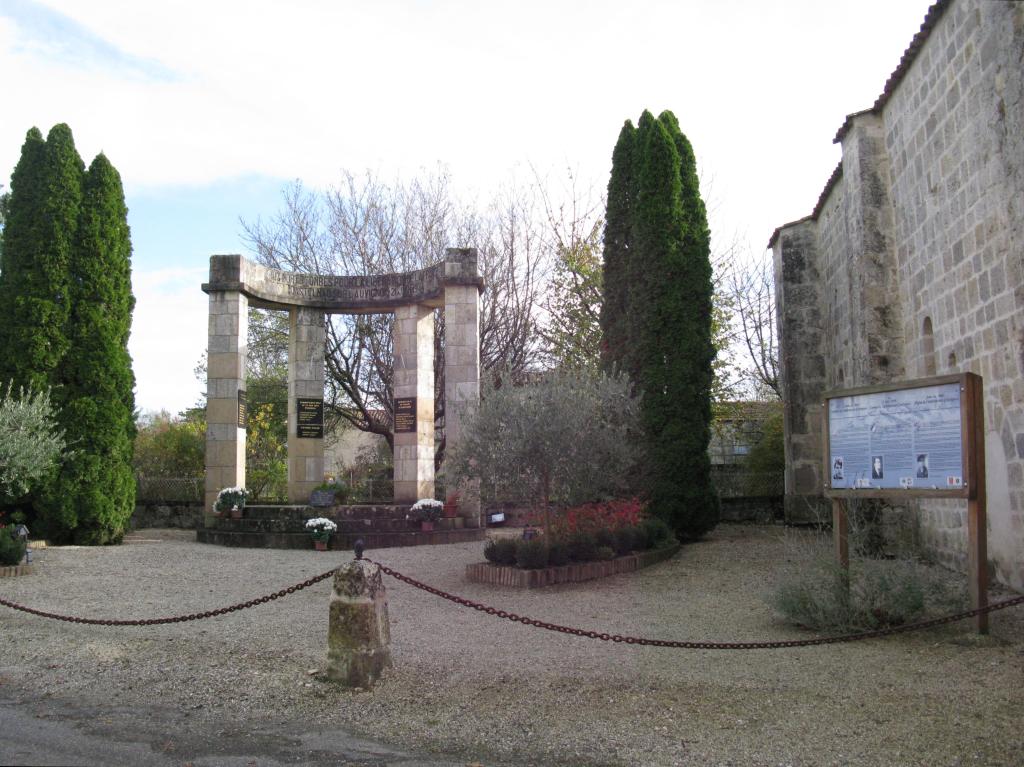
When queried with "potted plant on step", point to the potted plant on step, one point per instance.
{"points": [[451, 505], [328, 494], [426, 511], [321, 529], [231, 501]]}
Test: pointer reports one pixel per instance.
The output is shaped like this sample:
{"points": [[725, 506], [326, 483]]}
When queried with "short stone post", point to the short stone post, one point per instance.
{"points": [[358, 635]]}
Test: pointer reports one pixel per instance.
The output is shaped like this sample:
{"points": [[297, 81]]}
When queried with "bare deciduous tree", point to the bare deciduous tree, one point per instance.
{"points": [[365, 226], [752, 291], [575, 232]]}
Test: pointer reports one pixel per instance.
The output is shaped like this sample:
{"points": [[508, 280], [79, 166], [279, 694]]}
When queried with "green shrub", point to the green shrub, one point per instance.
{"points": [[12, 548], [531, 554], [500, 551], [653, 533], [817, 594], [605, 553], [490, 551], [625, 540], [558, 554], [605, 537], [582, 547]]}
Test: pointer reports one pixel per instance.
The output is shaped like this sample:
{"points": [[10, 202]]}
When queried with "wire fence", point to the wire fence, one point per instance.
{"points": [[169, 489], [748, 484]]}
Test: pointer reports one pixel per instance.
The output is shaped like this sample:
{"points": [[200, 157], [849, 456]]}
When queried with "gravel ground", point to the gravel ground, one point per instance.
{"points": [[488, 691]]}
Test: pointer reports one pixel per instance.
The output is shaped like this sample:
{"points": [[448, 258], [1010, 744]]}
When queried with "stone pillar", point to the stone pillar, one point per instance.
{"points": [[801, 368], [225, 377], [358, 634], [414, 379], [462, 378], [875, 321], [306, 339]]}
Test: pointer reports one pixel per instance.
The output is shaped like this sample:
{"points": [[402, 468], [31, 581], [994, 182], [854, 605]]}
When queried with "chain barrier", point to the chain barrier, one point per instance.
{"points": [[526, 620], [617, 638], [176, 618]]}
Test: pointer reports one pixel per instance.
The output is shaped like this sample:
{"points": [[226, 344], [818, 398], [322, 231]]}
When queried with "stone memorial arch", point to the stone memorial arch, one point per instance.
{"points": [[236, 283]]}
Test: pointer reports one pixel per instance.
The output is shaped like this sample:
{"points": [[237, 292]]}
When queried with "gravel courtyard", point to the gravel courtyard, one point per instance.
{"points": [[474, 689]]}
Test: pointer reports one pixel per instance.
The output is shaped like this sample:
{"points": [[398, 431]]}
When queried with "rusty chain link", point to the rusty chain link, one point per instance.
{"points": [[525, 620], [698, 645], [177, 618]]}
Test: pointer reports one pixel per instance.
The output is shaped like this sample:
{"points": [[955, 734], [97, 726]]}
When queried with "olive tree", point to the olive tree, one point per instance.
{"points": [[30, 442], [565, 436]]}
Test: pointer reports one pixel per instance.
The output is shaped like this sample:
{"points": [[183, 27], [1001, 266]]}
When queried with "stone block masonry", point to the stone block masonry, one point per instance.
{"points": [[306, 339], [226, 358], [453, 284], [462, 378], [413, 337], [912, 263]]}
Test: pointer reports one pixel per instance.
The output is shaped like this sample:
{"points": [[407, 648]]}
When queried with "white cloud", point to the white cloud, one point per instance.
{"points": [[169, 330], [192, 92]]}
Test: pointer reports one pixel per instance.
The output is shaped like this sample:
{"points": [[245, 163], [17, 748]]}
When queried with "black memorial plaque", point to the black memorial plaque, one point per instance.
{"points": [[243, 410], [309, 420], [405, 415]]}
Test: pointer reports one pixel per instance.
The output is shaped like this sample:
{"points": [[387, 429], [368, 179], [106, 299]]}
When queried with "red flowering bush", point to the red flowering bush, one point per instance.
{"points": [[592, 518], [593, 531]]}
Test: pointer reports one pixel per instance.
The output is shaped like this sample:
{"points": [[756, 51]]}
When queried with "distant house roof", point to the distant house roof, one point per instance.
{"points": [[916, 44]]}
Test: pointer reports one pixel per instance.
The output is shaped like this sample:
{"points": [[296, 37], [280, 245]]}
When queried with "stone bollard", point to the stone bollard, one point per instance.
{"points": [[358, 636]]}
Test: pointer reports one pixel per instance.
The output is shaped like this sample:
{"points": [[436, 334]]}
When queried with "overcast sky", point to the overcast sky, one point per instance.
{"points": [[208, 108]]}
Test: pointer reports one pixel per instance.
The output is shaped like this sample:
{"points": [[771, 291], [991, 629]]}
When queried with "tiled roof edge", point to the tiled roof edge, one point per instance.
{"points": [[829, 186], [930, 20]]}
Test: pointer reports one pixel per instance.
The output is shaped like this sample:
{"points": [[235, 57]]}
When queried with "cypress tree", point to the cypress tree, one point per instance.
{"points": [[94, 495], [38, 239], [667, 324], [617, 235]]}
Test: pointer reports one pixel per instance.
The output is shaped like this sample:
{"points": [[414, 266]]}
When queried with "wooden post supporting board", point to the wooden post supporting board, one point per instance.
{"points": [[841, 533], [977, 526]]}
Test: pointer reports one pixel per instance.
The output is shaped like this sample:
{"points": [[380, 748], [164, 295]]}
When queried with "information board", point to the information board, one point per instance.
{"points": [[243, 410], [893, 439], [913, 439], [405, 415], [309, 418]]}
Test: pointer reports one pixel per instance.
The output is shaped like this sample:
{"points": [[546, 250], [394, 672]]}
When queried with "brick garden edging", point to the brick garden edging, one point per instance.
{"points": [[503, 575], [11, 571]]}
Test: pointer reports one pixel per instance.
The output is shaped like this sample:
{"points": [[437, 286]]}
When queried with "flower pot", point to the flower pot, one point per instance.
{"points": [[320, 545], [426, 525], [451, 509], [236, 513]]}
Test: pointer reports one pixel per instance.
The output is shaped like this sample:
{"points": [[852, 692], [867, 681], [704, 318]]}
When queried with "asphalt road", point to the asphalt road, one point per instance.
{"points": [[48, 732]]}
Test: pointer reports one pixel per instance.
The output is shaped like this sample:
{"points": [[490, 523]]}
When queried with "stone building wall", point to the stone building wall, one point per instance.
{"points": [[914, 259]]}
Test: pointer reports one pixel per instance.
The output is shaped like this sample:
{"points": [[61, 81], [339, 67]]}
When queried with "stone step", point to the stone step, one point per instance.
{"points": [[336, 513], [339, 541], [354, 526]]}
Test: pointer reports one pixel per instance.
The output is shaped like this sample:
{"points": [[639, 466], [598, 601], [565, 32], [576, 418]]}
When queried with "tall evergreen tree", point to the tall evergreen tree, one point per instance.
{"points": [[38, 239], [94, 495], [666, 321], [617, 237]]}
